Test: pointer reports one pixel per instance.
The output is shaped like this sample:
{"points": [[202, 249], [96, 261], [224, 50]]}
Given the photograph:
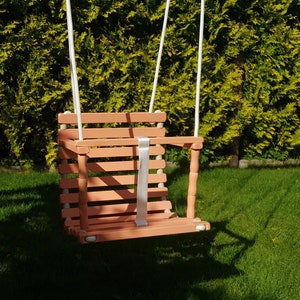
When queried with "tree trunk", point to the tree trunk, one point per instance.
{"points": [[234, 161]]}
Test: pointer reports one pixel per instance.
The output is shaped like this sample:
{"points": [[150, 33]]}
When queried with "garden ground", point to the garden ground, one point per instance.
{"points": [[252, 251]]}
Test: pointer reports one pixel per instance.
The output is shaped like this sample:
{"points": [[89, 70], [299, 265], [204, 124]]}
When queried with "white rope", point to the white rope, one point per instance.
{"points": [[161, 45], [74, 79], [197, 102], [142, 185]]}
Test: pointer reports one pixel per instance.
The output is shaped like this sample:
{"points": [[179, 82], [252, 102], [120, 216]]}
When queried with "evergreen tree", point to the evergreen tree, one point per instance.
{"points": [[257, 68]]}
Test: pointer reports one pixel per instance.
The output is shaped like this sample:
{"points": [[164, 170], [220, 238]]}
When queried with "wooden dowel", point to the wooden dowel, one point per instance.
{"points": [[192, 189], [82, 184]]}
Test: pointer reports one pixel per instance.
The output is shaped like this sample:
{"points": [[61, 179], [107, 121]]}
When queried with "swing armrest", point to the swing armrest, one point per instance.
{"points": [[83, 147], [182, 141]]}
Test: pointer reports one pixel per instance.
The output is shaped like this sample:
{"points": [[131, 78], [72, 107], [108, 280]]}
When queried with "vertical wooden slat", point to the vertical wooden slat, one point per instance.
{"points": [[192, 189], [64, 176], [82, 183], [159, 157]]}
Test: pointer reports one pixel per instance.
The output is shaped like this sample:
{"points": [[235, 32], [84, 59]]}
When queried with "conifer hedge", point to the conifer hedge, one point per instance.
{"points": [[250, 74]]}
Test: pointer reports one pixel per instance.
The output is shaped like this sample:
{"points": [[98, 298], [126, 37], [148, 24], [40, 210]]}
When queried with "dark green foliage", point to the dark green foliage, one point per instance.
{"points": [[33, 77], [256, 103], [250, 82]]}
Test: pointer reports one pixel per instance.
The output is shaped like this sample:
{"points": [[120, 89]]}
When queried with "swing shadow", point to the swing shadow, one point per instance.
{"points": [[39, 260]]}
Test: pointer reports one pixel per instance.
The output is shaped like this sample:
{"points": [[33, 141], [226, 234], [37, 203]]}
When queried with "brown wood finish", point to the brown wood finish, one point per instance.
{"points": [[100, 177]]}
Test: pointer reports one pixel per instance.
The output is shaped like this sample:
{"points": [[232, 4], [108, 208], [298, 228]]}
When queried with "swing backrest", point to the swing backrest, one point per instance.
{"points": [[112, 170]]}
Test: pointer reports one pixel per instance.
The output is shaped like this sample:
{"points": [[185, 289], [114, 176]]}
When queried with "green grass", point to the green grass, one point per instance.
{"points": [[252, 251]]}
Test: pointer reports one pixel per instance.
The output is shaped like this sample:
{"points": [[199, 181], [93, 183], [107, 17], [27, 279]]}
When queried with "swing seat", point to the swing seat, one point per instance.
{"points": [[100, 177]]}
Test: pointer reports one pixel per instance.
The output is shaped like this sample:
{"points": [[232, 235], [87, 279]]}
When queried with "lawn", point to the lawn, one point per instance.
{"points": [[252, 251]]}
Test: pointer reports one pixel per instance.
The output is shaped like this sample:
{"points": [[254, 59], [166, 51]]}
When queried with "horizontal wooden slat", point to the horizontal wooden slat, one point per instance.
{"points": [[123, 218], [99, 133], [166, 140], [110, 166], [117, 209], [123, 151], [164, 222], [112, 195], [128, 230], [122, 117], [111, 152], [117, 180]]}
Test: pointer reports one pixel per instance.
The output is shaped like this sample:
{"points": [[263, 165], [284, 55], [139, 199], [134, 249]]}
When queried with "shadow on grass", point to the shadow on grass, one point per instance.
{"points": [[39, 261]]}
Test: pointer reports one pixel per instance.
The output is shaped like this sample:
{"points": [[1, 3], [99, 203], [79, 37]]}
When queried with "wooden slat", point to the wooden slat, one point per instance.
{"points": [[113, 195], [174, 140], [123, 218], [99, 133], [159, 223], [110, 166], [117, 209], [122, 117], [123, 151], [111, 152], [128, 230], [117, 180]]}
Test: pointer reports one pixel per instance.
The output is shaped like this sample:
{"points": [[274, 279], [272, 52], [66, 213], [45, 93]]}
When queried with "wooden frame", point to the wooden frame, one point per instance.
{"points": [[99, 177]]}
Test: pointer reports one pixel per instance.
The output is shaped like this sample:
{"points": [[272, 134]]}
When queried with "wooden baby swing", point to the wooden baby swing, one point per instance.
{"points": [[112, 177]]}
